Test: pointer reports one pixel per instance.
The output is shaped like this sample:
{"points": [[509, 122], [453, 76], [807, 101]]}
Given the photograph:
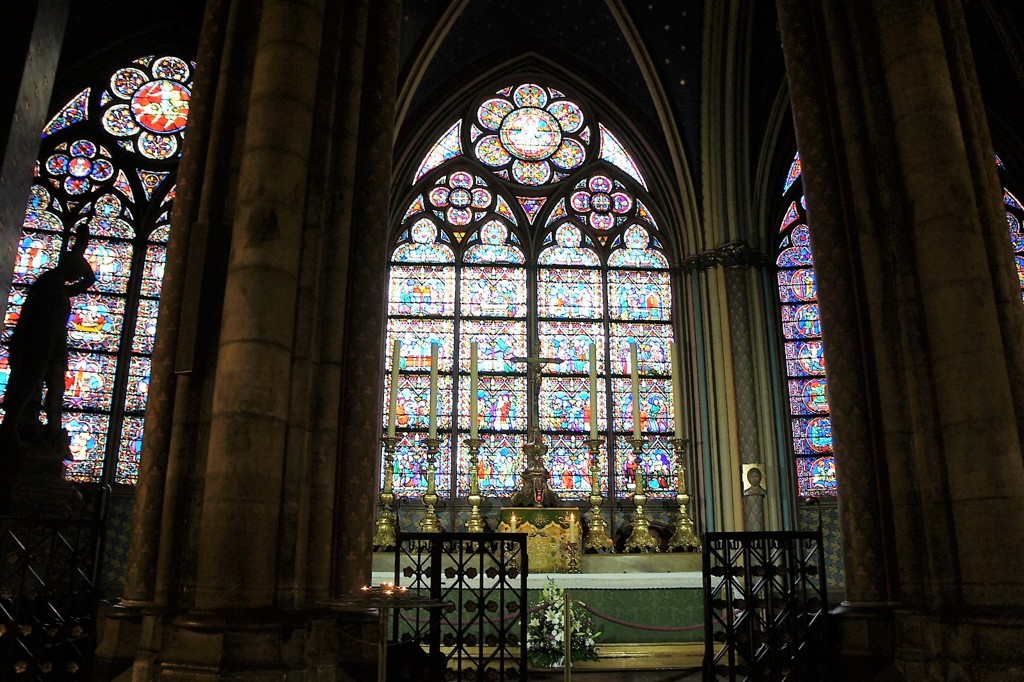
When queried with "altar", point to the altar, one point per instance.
{"points": [[653, 598], [554, 536]]}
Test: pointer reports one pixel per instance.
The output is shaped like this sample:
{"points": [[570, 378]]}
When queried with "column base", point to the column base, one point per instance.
{"points": [[980, 644], [881, 641], [254, 646], [864, 637]]}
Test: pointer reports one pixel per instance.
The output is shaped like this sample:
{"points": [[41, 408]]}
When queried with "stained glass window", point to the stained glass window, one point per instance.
{"points": [[1015, 220], [530, 231], [801, 328], [107, 160], [805, 361]]}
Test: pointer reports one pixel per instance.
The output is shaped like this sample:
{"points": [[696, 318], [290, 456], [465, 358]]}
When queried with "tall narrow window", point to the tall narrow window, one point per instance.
{"points": [[801, 328], [107, 160], [1015, 220], [805, 360], [529, 229]]}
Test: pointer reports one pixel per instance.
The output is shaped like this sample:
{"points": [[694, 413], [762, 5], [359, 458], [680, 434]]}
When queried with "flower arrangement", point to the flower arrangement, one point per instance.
{"points": [[545, 635]]}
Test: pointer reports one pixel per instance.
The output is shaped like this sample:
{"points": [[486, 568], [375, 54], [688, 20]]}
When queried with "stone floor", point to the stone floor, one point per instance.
{"points": [[690, 675]]}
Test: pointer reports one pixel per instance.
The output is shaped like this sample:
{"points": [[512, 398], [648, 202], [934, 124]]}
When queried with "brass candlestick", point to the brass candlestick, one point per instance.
{"points": [[640, 540], [684, 538], [430, 523], [475, 524], [597, 538], [384, 537]]}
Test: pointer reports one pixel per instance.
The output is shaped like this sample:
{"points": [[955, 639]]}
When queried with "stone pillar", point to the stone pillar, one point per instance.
{"points": [[31, 35], [237, 545], [165, 469], [373, 74], [737, 258], [916, 280]]}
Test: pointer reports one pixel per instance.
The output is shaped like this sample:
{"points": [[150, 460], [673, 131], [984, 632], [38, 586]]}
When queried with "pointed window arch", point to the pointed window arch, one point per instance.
{"points": [[810, 418], [801, 328], [530, 230], [107, 159]]}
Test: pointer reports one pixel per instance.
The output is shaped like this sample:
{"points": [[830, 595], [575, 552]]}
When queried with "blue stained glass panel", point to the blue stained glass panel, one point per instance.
{"points": [[493, 292], [816, 476], [569, 293], [37, 252], [656, 463], [652, 351], [111, 262], [808, 396], [568, 463], [501, 403], [805, 358], [416, 336], [655, 404], [570, 342], [87, 441], [639, 295], [410, 466], [797, 286], [96, 322], [138, 384], [145, 326], [89, 381], [153, 270], [803, 321], [129, 451], [500, 462], [413, 402], [421, 290], [812, 436], [565, 403], [498, 341]]}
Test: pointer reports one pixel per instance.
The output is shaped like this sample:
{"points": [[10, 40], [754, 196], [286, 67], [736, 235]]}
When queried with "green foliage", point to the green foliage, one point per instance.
{"points": [[545, 631]]}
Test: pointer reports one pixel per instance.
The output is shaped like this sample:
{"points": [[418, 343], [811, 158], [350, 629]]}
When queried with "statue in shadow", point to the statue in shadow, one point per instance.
{"points": [[32, 453]]}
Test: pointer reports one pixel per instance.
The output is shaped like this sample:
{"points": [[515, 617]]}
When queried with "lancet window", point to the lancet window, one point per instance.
{"points": [[801, 327], [107, 159], [810, 418], [529, 229]]}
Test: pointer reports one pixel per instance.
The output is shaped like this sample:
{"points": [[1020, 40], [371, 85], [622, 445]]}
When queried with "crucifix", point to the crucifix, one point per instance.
{"points": [[534, 365], [535, 491]]}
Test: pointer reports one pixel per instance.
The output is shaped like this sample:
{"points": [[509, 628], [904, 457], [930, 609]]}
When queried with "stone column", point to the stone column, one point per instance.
{"points": [[915, 281], [374, 76], [738, 258], [241, 505], [31, 35]]}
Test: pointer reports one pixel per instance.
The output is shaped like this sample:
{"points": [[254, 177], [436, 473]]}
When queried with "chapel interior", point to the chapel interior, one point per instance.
{"points": [[647, 272]]}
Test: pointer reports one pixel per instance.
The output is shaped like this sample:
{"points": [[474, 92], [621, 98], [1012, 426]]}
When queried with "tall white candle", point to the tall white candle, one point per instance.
{"points": [[677, 392], [593, 391], [393, 402], [433, 390], [635, 375], [472, 391]]}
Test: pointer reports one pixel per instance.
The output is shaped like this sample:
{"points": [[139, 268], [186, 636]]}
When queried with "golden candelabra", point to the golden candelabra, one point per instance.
{"points": [[640, 540], [384, 537], [597, 538], [430, 523], [475, 524], [684, 538]]}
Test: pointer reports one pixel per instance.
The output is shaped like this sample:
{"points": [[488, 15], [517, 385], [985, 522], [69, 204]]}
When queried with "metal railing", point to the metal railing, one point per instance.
{"points": [[765, 609], [49, 595], [481, 633]]}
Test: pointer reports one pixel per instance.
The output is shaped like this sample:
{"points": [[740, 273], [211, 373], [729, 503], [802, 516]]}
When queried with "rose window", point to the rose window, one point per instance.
{"points": [[458, 197], [531, 135], [149, 106], [601, 202], [79, 165]]}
